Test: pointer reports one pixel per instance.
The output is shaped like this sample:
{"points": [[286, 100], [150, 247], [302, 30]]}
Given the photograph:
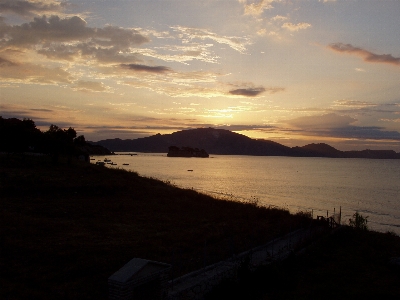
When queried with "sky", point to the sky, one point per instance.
{"points": [[291, 71]]}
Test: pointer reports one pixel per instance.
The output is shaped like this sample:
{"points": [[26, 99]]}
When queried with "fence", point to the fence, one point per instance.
{"points": [[334, 220]]}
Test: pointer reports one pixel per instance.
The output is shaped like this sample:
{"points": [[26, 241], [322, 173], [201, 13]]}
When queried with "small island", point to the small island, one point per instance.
{"points": [[174, 151]]}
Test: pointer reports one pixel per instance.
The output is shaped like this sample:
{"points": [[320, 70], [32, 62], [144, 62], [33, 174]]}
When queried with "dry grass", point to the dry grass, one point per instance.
{"points": [[66, 228]]}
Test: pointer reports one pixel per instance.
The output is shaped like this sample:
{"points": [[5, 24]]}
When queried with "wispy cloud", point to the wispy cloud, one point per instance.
{"points": [[90, 86], [296, 27], [366, 55], [237, 43], [256, 8], [31, 73], [279, 18], [182, 54], [353, 103]]}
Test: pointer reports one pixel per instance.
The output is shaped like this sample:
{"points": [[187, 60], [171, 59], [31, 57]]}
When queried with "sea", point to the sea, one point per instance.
{"points": [[322, 186]]}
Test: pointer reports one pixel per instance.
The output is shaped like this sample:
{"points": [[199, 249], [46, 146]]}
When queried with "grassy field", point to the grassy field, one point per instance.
{"points": [[66, 227]]}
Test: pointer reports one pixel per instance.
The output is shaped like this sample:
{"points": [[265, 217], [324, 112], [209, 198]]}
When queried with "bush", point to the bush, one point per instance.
{"points": [[359, 221]]}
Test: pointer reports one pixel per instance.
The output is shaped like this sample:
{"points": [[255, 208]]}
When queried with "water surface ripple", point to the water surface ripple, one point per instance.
{"points": [[371, 187]]}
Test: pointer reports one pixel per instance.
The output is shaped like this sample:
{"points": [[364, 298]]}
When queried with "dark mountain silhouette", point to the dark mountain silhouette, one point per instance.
{"points": [[220, 141], [322, 150], [216, 141], [325, 150]]}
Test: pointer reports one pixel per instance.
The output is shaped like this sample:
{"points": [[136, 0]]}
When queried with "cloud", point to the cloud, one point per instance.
{"points": [[144, 68], [90, 86], [6, 63], [326, 121], [71, 39], [256, 8], [249, 92], [366, 55], [31, 73], [240, 127], [42, 110], [254, 91], [296, 27], [337, 126], [279, 18], [353, 103], [38, 114], [31, 7], [374, 133], [182, 54], [44, 30], [237, 43]]}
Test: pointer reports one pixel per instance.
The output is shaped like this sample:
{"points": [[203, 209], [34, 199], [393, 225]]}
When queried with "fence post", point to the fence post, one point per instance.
{"points": [[205, 254]]}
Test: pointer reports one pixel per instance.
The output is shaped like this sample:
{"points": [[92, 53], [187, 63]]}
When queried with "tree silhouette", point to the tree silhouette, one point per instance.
{"points": [[18, 136], [60, 141]]}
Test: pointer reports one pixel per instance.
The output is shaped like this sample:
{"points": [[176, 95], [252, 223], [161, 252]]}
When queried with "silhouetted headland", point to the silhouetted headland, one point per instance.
{"points": [[225, 142]]}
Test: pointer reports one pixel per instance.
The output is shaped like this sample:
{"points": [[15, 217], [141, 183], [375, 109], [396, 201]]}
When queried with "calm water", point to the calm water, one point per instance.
{"points": [[371, 187]]}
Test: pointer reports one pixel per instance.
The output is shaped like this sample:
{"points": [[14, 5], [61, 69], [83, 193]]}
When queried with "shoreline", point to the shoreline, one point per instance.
{"points": [[66, 228]]}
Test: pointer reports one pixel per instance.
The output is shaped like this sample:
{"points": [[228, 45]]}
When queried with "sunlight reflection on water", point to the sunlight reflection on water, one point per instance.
{"points": [[369, 186]]}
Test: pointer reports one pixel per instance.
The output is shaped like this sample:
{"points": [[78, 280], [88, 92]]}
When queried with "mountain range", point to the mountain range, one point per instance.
{"points": [[221, 141]]}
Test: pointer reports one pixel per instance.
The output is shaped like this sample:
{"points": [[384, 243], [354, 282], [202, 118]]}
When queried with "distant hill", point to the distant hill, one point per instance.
{"points": [[216, 141], [220, 141], [322, 149]]}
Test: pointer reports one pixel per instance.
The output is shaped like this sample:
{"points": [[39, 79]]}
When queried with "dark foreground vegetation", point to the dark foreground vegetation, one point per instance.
{"points": [[348, 264], [21, 136], [65, 227]]}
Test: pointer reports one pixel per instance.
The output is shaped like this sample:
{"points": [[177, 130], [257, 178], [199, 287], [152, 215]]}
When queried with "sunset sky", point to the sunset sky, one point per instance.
{"points": [[291, 71]]}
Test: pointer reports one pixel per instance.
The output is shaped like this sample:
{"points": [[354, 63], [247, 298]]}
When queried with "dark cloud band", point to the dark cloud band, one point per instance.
{"points": [[26, 8], [249, 92], [144, 68], [367, 55]]}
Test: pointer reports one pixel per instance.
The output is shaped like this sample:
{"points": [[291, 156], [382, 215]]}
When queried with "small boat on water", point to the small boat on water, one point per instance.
{"points": [[107, 160], [125, 164]]}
